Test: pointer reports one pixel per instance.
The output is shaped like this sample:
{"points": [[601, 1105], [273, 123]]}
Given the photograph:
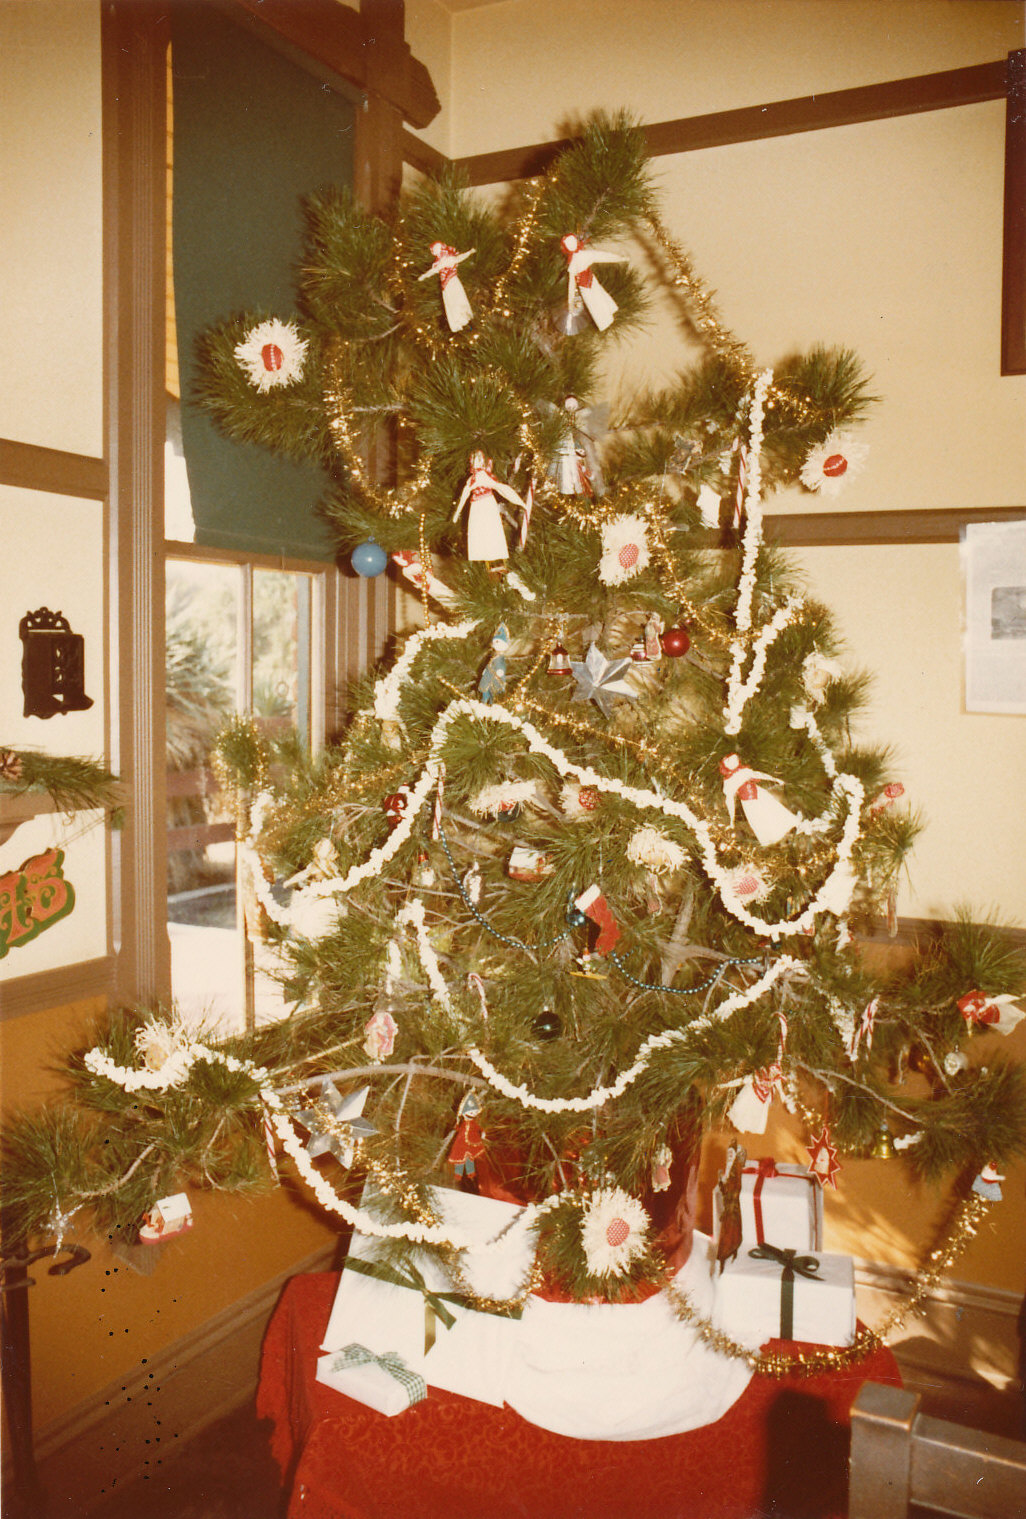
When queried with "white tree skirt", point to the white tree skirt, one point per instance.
{"points": [[623, 1372]]}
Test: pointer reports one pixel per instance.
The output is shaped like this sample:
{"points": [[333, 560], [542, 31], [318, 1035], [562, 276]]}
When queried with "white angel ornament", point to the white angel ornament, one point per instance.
{"points": [[454, 297], [767, 817], [584, 287], [575, 466], [486, 536]]}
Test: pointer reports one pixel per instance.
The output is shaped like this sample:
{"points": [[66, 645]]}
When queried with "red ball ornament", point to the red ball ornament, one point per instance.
{"points": [[674, 642], [834, 465], [272, 357]]}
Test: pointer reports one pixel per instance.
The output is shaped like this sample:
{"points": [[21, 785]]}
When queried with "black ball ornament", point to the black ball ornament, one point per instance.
{"points": [[547, 1025]]}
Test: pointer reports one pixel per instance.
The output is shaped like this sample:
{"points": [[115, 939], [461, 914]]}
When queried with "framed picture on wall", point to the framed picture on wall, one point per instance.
{"points": [[1013, 281], [994, 577]]}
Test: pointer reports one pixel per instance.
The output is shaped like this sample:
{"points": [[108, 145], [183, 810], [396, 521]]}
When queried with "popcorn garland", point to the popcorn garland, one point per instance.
{"points": [[413, 914], [385, 699]]}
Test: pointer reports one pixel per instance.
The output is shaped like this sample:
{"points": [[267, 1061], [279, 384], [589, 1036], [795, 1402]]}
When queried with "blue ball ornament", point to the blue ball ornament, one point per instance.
{"points": [[369, 558]]}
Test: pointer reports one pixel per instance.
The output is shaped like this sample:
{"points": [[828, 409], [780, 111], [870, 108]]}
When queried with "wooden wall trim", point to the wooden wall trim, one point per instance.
{"points": [[135, 41], [366, 48], [47, 989], [29, 467], [779, 118], [1013, 272], [839, 529], [115, 1436]]}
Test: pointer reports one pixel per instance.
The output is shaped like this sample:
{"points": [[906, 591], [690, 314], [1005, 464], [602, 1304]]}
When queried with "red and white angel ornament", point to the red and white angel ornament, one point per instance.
{"points": [[583, 287], [575, 466], [486, 536], [767, 817], [454, 297], [981, 1010]]}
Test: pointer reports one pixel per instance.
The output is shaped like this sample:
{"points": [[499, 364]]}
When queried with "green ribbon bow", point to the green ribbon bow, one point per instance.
{"points": [[791, 1262], [388, 1360], [434, 1302]]}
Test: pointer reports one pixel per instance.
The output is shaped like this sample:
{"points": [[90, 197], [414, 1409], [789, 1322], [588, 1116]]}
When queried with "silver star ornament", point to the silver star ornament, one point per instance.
{"points": [[335, 1123], [600, 679]]}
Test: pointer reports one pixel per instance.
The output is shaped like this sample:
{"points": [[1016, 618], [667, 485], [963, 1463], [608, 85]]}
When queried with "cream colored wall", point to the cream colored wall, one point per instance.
{"points": [[51, 274], [524, 68], [429, 34], [884, 237]]}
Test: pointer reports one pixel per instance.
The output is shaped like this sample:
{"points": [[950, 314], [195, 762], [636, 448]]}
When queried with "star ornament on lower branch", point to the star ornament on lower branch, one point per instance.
{"points": [[823, 1164], [336, 1123], [601, 680]]}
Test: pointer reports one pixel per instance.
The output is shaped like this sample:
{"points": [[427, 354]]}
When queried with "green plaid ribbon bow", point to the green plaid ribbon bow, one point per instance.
{"points": [[791, 1262], [388, 1360]]}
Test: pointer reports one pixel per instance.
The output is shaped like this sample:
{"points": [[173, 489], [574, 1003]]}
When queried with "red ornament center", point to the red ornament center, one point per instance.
{"points": [[834, 465], [747, 886], [617, 1231], [628, 555], [587, 799], [272, 356]]}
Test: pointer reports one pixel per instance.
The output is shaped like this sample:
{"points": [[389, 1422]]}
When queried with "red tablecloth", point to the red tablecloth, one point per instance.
{"points": [[781, 1450]]}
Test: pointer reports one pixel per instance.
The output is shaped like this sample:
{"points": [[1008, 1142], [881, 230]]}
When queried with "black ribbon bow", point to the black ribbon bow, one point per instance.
{"points": [[790, 1262]]}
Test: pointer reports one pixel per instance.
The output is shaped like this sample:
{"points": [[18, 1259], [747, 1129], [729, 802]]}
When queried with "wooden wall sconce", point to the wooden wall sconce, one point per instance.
{"points": [[52, 665]]}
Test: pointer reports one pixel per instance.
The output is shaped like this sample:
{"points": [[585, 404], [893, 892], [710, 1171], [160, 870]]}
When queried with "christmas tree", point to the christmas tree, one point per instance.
{"points": [[586, 873]]}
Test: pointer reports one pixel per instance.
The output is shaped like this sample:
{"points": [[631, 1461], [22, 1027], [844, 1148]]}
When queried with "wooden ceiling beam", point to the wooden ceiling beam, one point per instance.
{"points": [[367, 48]]}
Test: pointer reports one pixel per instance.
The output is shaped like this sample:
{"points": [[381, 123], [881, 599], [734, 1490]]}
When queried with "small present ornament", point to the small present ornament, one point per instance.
{"points": [[527, 864], [272, 354], [168, 1216]]}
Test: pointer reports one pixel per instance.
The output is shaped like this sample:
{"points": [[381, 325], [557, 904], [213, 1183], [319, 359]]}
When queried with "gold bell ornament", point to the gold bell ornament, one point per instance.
{"points": [[883, 1144]]}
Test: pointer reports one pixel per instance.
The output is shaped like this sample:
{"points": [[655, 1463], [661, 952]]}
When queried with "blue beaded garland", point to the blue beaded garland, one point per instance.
{"points": [[368, 558]]}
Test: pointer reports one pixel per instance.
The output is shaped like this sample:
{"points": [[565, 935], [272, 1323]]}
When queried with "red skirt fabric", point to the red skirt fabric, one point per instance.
{"points": [[781, 1450]]}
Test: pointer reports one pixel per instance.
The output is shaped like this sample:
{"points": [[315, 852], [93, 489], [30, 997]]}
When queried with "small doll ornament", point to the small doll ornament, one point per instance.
{"points": [[468, 1146], [454, 297], [988, 1184], [486, 536], [575, 468], [768, 818], [583, 287], [492, 684], [728, 1240]]}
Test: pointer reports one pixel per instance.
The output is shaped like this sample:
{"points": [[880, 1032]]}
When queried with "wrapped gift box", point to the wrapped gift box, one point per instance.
{"points": [[779, 1202], [384, 1383], [755, 1298], [428, 1323]]}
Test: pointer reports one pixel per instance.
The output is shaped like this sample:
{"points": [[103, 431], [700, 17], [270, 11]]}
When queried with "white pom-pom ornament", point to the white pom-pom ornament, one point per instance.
{"points": [[272, 353], [625, 551], [832, 463]]}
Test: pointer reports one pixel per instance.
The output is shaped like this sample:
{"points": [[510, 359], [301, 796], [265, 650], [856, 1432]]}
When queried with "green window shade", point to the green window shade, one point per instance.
{"points": [[253, 134]]}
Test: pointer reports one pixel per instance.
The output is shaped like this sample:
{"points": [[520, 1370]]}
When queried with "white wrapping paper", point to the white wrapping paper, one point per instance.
{"points": [[791, 1204], [605, 1371], [370, 1384], [748, 1295], [470, 1357]]}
